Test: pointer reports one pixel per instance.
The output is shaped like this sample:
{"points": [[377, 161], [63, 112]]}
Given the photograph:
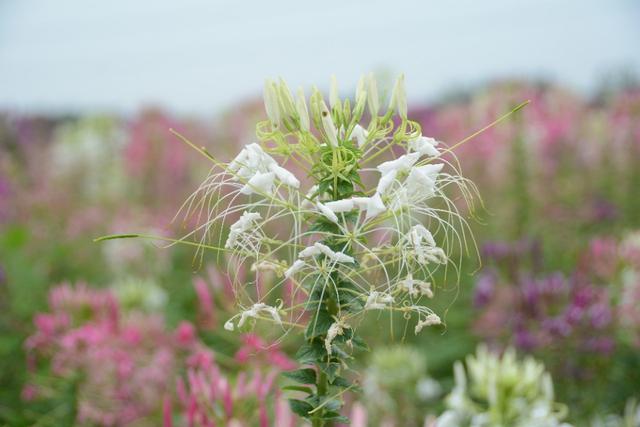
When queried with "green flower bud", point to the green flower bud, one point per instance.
{"points": [[271, 103], [303, 113], [372, 97], [398, 100]]}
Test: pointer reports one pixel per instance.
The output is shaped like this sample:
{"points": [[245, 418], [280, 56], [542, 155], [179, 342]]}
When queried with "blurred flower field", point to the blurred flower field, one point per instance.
{"points": [[542, 329]]}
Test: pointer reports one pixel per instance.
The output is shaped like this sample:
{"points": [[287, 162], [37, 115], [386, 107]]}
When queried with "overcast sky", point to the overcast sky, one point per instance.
{"points": [[202, 55]]}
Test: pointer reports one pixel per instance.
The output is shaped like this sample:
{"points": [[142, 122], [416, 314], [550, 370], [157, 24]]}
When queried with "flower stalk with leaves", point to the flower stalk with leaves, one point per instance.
{"points": [[334, 221]]}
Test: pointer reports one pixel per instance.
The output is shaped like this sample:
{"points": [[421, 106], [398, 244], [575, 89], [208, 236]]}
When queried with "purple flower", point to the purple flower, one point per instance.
{"points": [[485, 287], [600, 315], [525, 340]]}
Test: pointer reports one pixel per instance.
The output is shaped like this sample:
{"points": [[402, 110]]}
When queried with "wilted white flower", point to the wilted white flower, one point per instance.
{"points": [[378, 301], [430, 320], [415, 287], [424, 246], [336, 328]]}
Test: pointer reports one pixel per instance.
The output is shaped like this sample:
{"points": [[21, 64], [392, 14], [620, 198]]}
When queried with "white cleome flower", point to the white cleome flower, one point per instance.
{"points": [[286, 177], [424, 246], [240, 228], [402, 163], [344, 205], [373, 205], [260, 170], [378, 301], [424, 145], [319, 248], [259, 183], [360, 134], [295, 267], [255, 311], [326, 212], [421, 182]]}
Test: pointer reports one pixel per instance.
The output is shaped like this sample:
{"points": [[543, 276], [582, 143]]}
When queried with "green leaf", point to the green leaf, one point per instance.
{"points": [[358, 343], [300, 407], [335, 417], [331, 369], [310, 353], [341, 382], [302, 376], [301, 388], [319, 325]]}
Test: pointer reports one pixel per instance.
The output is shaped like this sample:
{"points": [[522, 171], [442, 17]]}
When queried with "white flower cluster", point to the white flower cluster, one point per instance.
{"points": [[397, 211], [517, 393], [259, 171]]}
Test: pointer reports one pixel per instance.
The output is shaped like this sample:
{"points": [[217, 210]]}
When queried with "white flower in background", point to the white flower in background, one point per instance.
{"points": [[502, 390], [142, 294]]}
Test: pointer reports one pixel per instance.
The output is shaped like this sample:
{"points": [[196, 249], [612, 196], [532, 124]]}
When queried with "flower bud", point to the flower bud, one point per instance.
{"points": [[372, 96], [303, 113], [334, 97], [271, 102], [328, 125], [399, 98], [287, 105]]}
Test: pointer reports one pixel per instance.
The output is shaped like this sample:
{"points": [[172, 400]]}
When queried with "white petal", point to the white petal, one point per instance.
{"points": [[285, 176], [328, 213], [375, 206], [260, 182], [334, 256], [425, 146], [295, 267], [403, 162], [337, 206], [385, 181], [309, 251], [360, 134]]}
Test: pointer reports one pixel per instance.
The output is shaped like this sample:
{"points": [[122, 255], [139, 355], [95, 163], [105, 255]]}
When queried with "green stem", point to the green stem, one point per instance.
{"points": [[322, 386]]}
